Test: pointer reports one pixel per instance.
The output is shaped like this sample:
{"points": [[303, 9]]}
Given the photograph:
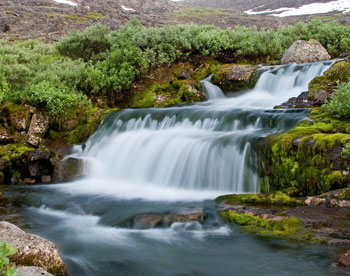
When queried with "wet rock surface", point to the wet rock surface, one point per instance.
{"points": [[31, 271], [305, 51], [32, 250], [296, 102], [67, 169], [344, 260], [148, 221], [234, 77]]}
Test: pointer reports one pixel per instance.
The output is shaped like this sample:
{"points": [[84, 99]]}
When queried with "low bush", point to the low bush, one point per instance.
{"points": [[339, 105]]}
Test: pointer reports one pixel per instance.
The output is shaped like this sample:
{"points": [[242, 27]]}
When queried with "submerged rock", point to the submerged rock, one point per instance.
{"points": [[31, 271], [155, 220], [305, 51], [32, 250], [147, 221], [184, 216]]}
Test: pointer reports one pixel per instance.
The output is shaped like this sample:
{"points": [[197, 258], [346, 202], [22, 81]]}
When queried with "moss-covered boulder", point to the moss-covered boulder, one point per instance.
{"points": [[312, 157], [178, 83], [233, 77], [321, 88]]}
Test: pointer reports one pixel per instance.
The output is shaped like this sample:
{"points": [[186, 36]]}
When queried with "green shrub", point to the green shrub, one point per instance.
{"points": [[6, 250], [92, 41], [339, 105]]}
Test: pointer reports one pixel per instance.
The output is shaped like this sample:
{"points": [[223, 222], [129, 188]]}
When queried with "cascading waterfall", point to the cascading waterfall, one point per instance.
{"points": [[161, 161], [203, 147]]}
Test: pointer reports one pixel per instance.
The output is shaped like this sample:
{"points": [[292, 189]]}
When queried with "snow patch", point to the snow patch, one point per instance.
{"points": [[127, 9], [67, 2], [314, 8]]}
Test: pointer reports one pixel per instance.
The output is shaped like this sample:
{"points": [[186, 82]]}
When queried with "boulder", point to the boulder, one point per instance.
{"points": [[37, 129], [3, 164], [67, 169], [31, 271], [184, 216], [305, 51], [147, 221], [344, 260], [32, 250], [234, 77]]}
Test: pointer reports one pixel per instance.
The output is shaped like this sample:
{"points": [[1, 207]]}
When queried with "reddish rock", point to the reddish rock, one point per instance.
{"points": [[344, 260]]}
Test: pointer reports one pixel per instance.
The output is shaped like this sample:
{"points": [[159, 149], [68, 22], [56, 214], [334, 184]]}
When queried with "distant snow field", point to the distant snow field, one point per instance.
{"points": [[314, 8], [66, 2]]}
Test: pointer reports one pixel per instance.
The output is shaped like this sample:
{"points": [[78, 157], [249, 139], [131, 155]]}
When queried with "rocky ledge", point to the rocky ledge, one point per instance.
{"points": [[324, 219], [32, 250]]}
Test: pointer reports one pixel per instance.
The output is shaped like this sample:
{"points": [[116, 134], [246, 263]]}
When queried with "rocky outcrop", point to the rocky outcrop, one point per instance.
{"points": [[296, 102], [305, 51], [67, 169], [31, 271], [37, 129], [31, 249], [148, 221], [234, 77]]}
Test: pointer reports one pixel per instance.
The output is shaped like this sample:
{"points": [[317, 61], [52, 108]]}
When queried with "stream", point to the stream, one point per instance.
{"points": [[155, 161]]}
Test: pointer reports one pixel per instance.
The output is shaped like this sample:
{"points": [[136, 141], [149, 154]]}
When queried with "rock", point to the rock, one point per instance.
{"points": [[320, 97], [31, 249], [31, 271], [344, 260], [3, 164], [184, 216], [147, 221], [234, 77], [314, 201], [36, 155], [296, 102], [37, 129], [67, 169], [19, 119], [28, 181], [5, 137], [305, 51], [15, 179], [46, 179]]}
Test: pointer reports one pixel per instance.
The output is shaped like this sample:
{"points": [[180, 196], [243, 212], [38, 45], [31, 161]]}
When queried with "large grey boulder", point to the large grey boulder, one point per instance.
{"points": [[305, 51], [31, 271], [32, 250]]}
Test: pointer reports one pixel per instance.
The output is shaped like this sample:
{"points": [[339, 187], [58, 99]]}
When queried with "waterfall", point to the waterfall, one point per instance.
{"points": [[212, 91], [203, 147]]}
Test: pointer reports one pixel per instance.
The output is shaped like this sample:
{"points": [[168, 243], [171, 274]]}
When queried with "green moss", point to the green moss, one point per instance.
{"points": [[13, 151], [277, 198], [199, 13], [89, 119], [288, 227], [313, 165]]}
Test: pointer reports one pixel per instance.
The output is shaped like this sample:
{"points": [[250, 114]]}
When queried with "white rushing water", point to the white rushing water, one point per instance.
{"points": [[192, 152]]}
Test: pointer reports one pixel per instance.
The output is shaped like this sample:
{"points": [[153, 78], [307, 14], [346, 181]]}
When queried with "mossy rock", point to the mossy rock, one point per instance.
{"points": [[233, 77], [288, 227], [339, 72], [276, 198], [308, 157]]}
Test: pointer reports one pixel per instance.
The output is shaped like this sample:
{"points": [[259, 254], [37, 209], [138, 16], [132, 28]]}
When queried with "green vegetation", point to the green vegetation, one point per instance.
{"points": [[6, 250], [339, 105], [199, 13], [98, 62], [78, 18], [276, 198]]}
